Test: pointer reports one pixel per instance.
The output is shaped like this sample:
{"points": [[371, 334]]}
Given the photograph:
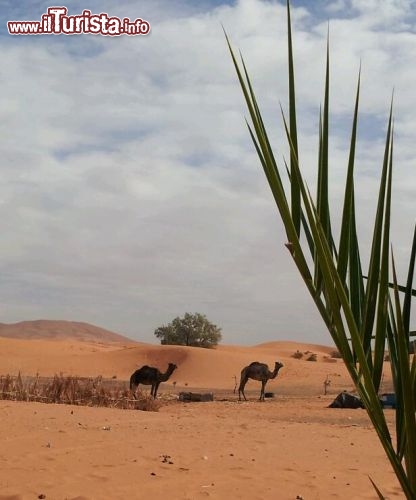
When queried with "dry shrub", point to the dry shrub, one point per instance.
{"points": [[145, 402], [297, 355], [336, 354], [312, 357], [16, 389], [74, 391], [327, 359]]}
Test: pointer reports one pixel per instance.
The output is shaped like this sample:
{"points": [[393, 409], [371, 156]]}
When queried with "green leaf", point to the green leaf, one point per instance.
{"points": [[356, 317], [379, 494], [374, 265], [295, 189], [409, 291], [407, 401]]}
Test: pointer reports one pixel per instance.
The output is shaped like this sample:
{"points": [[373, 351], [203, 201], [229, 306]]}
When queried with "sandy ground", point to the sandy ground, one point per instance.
{"points": [[291, 446]]}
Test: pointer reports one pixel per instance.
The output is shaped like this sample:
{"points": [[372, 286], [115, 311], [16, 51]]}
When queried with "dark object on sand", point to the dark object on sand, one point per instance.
{"points": [[388, 400], [346, 400], [196, 397]]}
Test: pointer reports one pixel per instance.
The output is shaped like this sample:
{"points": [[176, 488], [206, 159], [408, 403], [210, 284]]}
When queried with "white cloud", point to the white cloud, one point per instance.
{"points": [[130, 190]]}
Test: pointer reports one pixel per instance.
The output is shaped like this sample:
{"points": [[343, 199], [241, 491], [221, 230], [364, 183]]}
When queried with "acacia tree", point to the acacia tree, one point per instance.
{"points": [[191, 330]]}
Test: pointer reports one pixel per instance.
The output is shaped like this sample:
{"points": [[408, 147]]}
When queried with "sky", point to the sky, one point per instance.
{"points": [[130, 191]]}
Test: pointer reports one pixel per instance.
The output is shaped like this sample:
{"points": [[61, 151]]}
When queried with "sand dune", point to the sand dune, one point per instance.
{"points": [[199, 368], [287, 348], [286, 447], [49, 329]]}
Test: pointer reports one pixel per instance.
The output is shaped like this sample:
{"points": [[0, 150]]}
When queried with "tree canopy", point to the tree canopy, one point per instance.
{"points": [[191, 330]]}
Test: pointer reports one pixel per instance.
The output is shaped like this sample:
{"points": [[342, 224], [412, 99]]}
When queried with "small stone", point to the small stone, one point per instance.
{"points": [[152, 474], [41, 496]]}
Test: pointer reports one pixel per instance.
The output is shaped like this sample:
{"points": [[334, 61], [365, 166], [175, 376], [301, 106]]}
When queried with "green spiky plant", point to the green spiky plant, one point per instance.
{"points": [[360, 312]]}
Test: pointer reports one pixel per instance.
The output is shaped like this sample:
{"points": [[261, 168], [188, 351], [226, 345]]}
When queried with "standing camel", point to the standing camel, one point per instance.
{"points": [[257, 371], [147, 375]]}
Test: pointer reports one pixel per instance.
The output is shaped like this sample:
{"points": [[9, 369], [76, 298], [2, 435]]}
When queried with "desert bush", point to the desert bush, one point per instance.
{"points": [[336, 354], [81, 391], [297, 355], [312, 357], [327, 359], [15, 388]]}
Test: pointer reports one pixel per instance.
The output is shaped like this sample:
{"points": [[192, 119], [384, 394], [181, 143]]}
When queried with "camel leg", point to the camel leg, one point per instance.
{"points": [[156, 387], [263, 385], [133, 385], [241, 389]]}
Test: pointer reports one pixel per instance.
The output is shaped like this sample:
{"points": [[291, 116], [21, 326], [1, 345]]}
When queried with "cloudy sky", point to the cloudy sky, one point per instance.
{"points": [[130, 192]]}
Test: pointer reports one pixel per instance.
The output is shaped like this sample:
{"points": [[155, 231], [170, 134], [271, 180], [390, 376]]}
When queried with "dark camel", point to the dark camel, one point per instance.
{"points": [[147, 375], [257, 371]]}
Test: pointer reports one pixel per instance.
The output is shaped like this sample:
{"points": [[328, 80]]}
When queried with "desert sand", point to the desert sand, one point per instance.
{"points": [[290, 446]]}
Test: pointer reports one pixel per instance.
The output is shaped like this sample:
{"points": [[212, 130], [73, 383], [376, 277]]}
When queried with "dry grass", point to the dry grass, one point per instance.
{"points": [[75, 391]]}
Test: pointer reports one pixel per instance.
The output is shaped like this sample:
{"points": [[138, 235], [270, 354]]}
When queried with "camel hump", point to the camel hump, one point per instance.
{"points": [[145, 371], [257, 365]]}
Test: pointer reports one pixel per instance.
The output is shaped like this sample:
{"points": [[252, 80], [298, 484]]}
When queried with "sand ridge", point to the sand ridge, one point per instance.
{"points": [[197, 367]]}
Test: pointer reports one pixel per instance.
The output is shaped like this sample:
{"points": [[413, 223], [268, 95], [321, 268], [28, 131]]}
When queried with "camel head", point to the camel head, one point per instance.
{"points": [[277, 366], [171, 367]]}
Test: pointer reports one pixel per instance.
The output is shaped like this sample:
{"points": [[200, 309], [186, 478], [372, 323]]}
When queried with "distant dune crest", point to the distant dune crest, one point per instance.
{"points": [[59, 330]]}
